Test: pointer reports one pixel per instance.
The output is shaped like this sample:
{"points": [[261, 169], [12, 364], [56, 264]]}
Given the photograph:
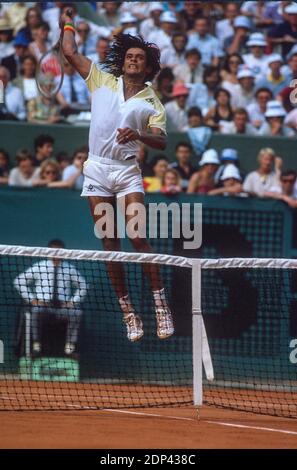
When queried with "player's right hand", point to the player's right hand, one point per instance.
{"points": [[65, 17]]}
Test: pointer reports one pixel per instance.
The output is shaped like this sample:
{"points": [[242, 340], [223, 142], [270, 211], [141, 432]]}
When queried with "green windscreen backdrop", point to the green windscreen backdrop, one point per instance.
{"points": [[68, 138]]}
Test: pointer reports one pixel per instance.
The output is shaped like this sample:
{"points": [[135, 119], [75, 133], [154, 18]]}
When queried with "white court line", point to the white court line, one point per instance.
{"points": [[257, 428], [148, 414], [180, 418]]}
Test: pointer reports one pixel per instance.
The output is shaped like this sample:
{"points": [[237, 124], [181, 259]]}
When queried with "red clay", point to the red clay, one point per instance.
{"points": [[111, 429]]}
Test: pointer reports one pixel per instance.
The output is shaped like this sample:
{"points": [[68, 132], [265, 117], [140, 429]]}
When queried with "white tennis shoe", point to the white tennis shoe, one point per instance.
{"points": [[165, 327], [134, 327]]}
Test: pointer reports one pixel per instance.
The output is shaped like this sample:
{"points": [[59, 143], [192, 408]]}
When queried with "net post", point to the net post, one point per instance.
{"points": [[197, 332]]}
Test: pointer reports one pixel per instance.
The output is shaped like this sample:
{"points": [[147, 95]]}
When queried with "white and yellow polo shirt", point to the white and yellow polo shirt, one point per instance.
{"points": [[110, 111]]}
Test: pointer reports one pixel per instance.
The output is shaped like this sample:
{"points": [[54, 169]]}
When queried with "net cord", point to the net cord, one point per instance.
{"points": [[170, 260]]}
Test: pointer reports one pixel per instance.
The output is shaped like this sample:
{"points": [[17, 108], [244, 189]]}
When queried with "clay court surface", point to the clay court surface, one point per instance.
{"points": [[145, 428]]}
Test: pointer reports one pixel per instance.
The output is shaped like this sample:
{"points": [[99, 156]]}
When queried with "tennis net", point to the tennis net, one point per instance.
{"points": [[242, 354]]}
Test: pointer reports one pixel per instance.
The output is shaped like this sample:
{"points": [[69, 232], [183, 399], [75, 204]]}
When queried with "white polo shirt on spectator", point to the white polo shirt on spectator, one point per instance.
{"points": [[258, 184], [16, 178]]}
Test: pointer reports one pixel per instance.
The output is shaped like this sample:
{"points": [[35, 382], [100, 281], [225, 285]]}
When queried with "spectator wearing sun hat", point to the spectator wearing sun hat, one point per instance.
{"points": [[128, 23], [274, 125], [151, 24], [285, 33], [176, 109], [237, 42], [230, 180], [228, 156], [203, 180], [256, 60], [242, 94], [274, 79], [162, 37]]}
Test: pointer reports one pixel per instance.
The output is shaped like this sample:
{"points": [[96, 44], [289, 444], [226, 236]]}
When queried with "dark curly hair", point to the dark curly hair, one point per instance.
{"points": [[115, 58]]}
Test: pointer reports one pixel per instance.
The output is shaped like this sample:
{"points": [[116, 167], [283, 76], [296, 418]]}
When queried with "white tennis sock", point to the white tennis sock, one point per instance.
{"points": [[126, 305], [160, 298]]}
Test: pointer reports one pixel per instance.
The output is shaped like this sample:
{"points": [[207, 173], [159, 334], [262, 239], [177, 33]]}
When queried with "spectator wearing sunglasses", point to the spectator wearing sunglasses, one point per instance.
{"points": [[287, 191]]}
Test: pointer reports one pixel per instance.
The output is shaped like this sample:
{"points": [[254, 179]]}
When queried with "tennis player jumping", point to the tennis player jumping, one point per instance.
{"points": [[125, 112]]}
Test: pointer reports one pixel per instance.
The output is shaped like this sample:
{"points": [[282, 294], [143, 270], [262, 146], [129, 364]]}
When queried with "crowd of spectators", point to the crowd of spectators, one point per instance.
{"points": [[213, 174], [226, 67], [234, 61]]}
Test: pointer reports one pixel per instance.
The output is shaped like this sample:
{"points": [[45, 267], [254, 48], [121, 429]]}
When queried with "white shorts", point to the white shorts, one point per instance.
{"points": [[107, 178]]}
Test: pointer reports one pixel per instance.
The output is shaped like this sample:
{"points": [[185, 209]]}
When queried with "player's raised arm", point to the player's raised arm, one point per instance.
{"points": [[81, 63]]}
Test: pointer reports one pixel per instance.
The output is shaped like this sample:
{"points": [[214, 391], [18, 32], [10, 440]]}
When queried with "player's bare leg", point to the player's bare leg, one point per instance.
{"points": [[164, 320], [116, 272]]}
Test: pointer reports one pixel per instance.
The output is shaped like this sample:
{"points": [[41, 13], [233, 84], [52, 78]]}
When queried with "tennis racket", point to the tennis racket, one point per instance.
{"points": [[50, 69]]}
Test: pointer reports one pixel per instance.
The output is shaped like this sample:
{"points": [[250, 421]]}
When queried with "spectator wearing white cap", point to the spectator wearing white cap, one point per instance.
{"points": [[203, 180], [243, 94], [239, 125], [231, 182], [176, 54], [224, 28], [275, 80], [237, 41], [151, 24], [208, 45], [285, 33], [192, 70], [128, 24], [274, 125], [229, 156], [266, 177], [162, 37], [176, 109], [257, 110], [256, 60]]}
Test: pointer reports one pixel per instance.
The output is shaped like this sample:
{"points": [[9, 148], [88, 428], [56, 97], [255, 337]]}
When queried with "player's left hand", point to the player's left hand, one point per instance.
{"points": [[126, 135]]}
